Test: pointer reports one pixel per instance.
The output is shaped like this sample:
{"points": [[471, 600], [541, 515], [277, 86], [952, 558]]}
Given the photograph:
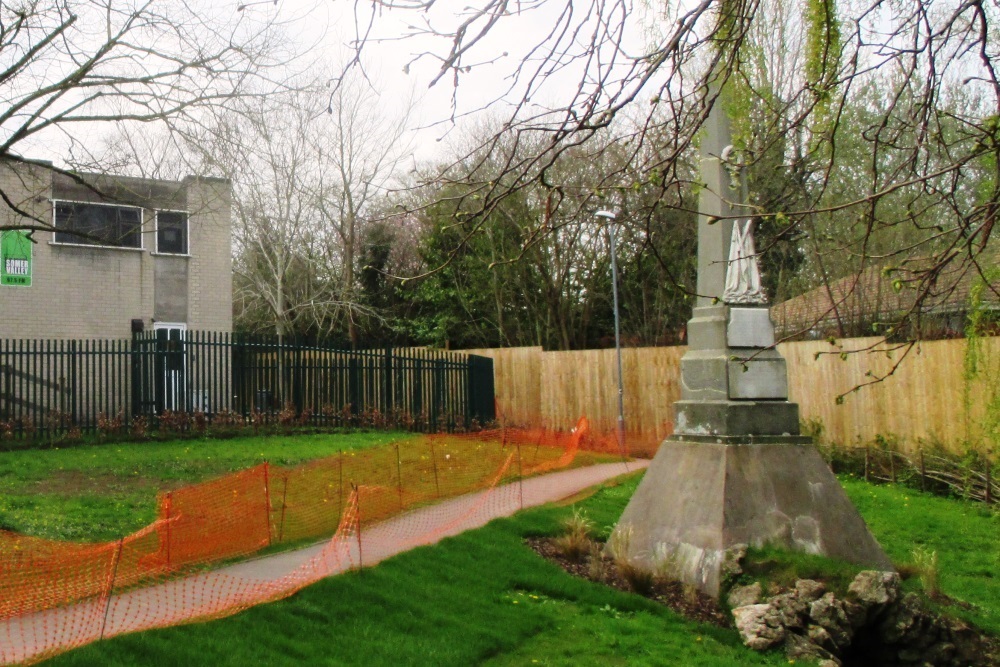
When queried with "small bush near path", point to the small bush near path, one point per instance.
{"points": [[103, 492]]}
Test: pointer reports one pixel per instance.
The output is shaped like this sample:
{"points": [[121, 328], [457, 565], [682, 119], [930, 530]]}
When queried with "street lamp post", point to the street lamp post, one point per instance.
{"points": [[618, 343]]}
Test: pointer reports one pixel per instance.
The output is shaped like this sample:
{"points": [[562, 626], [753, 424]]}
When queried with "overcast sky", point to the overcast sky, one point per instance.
{"points": [[399, 65]]}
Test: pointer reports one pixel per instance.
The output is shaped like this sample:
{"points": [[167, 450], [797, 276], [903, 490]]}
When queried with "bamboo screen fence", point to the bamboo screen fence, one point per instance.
{"points": [[923, 402]]}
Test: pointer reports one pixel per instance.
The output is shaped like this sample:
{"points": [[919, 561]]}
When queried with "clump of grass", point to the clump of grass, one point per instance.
{"points": [[665, 563], [640, 579], [577, 541], [925, 562], [596, 567], [782, 568]]}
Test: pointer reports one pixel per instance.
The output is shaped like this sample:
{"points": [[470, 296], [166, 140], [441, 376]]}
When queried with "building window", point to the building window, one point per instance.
{"points": [[98, 224], [172, 232]]}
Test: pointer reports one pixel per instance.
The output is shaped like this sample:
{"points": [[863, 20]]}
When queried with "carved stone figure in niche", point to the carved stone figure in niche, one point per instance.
{"points": [[743, 271]]}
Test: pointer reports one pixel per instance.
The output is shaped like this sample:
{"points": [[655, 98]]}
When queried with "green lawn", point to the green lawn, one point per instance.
{"points": [[485, 598], [481, 597], [965, 535], [103, 492]]}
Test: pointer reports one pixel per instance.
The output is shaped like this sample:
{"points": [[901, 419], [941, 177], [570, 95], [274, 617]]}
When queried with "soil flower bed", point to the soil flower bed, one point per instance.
{"points": [[683, 599]]}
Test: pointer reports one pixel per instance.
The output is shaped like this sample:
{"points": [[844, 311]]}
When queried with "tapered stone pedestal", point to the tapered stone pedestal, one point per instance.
{"points": [[702, 496]]}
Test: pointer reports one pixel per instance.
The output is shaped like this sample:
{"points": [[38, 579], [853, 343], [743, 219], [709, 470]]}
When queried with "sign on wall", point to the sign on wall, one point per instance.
{"points": [[15, 258]]}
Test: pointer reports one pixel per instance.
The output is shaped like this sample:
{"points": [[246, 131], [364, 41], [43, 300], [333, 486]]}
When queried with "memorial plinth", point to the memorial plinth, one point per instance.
{"points": [[736, 470]]}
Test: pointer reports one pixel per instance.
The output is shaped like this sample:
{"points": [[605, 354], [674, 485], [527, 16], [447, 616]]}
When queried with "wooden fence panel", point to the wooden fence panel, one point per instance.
{"points": [[556, 388], [923, 402], [516, 373]]}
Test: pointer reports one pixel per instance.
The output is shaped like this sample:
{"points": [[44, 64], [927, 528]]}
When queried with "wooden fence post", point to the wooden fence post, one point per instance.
{"points": [[437, 486], [169, 502], [399, 476], [520, 475], [989, 482], [357, 523], [267, 500], [923, 471], [284, 504], [341, 482], [111, 585]]}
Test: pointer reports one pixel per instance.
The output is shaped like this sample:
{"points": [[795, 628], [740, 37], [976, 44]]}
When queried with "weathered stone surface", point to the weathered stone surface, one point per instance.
{"points": [[704, 375], [749, 327], [736, 418], [875, 590], [707, 328], [790, 610], [742, 596], [828, 613], [896, 630], [798, 647], [810, 590], [821, 637], [906, 623], [702, 499], [857, 614], [732, 562], [757, 626], [762, 377], [714, 203]]}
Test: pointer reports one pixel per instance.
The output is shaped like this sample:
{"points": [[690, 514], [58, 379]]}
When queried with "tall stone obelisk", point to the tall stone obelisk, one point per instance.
{"points": [[736, 470]]}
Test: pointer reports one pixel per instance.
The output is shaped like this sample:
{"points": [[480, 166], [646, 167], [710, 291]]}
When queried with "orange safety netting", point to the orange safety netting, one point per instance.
{"points": [[58, 595]]}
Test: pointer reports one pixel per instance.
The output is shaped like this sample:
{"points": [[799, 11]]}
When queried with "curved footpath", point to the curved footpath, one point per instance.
{"points": [[234, 587]]}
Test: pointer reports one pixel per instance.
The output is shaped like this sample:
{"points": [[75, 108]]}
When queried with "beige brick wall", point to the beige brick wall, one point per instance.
{"points": [[210, 273], [91, 292]]}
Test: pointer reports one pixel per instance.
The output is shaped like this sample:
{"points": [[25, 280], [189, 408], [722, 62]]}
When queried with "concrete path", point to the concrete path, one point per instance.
{"points": [[233, 588]]}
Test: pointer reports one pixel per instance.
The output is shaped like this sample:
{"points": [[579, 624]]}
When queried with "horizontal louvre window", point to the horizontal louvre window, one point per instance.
{"points": [[98, 224], [172, 232]]}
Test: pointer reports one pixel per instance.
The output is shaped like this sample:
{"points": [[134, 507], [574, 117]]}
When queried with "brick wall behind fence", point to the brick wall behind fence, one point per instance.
{"points": [[923, 401]]}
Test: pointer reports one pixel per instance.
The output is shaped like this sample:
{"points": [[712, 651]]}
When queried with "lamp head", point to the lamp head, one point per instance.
{"points": [[605, 214]]}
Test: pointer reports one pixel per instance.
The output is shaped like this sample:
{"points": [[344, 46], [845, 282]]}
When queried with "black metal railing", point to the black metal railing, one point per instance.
{"points": [[53, 386]]}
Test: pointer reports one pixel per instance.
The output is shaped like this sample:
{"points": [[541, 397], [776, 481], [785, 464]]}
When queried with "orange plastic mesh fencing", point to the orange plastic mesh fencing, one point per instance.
{"points": [[640, 444], [375, 503]]}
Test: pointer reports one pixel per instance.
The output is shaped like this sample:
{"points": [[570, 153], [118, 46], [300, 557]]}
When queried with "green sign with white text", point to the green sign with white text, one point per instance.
{"points": [[15, 258]]}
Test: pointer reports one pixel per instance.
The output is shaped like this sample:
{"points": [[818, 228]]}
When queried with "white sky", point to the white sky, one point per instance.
{"points": [[329, 25]]}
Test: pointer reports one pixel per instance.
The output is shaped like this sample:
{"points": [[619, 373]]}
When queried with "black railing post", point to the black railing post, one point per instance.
{"points": [[481, 392], [418, 387], [354, 383], [387, 404], [72, 382], [439, 406]]}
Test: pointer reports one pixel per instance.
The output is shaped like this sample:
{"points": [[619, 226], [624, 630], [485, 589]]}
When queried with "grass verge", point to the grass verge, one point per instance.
{"points": [[441, 605], [103, 492], [965, 535]]}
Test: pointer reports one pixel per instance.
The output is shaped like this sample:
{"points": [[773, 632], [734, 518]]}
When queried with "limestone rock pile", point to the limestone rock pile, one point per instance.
{"points": [[875, 623]]}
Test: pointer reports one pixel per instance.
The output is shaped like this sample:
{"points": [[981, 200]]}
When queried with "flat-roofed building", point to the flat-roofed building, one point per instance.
{"points": [[122, 254]]}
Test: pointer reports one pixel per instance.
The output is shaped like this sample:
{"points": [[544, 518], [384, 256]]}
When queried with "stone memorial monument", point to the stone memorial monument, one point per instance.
{"points": [[736, 470]]}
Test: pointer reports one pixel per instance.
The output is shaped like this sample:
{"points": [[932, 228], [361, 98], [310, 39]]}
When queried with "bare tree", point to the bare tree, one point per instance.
{"points": [[908, 89], [308, 174], [266, 146], [359, 147], [68, 66]]}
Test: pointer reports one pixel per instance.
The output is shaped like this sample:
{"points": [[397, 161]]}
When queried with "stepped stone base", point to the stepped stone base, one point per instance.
{"points": [[699, 499]]}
